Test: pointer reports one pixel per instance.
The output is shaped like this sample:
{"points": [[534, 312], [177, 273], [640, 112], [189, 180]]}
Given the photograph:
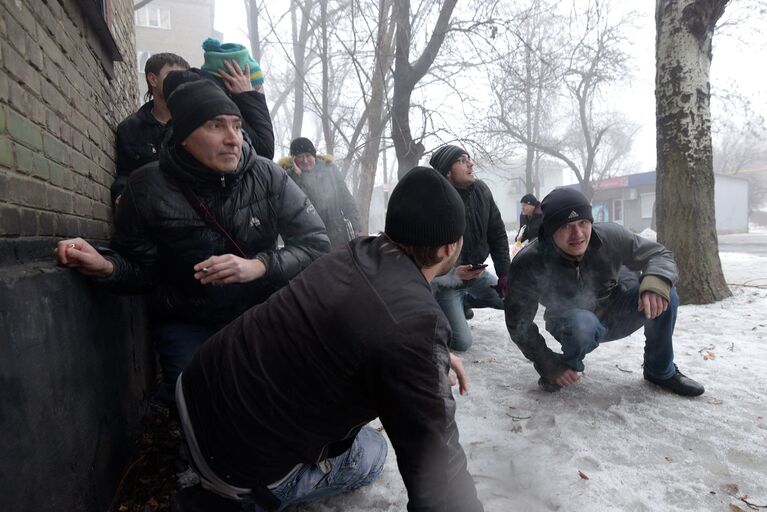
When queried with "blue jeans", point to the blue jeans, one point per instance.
{"points": [[176, 343], [477, 293], [580, 331], [358, 466]]}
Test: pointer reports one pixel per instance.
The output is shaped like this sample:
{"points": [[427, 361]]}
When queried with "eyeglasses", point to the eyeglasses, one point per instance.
{"points": [[464, 160]]}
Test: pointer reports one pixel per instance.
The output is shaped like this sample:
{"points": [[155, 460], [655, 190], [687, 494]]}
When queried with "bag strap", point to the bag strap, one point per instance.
{"points": [[207, 216]]}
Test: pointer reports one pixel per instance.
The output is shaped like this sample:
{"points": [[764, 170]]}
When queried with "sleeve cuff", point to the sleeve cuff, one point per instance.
{"points": [[657, 285]]}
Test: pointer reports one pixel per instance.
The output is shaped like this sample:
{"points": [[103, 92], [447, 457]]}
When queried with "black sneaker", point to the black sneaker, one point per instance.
{"points": [[678, 383], [468, 312], [548, 386], [197, 499]]}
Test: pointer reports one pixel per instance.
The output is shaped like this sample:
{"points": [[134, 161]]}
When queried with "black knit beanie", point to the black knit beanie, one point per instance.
{"points": [[302, 145], [175, 78], [425, 210], [530, 199], [194, 103], [562, 206], [444, 158]]}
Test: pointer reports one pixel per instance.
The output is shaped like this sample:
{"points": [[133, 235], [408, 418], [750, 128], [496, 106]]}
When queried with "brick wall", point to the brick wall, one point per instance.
{"points": [[75, 362], [58, 112]]}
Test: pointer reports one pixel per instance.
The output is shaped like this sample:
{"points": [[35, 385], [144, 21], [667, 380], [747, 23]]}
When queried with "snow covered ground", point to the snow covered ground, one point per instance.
{"points": [[614, 441]]}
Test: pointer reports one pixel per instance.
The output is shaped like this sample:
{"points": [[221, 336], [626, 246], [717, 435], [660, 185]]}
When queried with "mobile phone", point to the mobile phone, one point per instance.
{"points": [[478, 266]]}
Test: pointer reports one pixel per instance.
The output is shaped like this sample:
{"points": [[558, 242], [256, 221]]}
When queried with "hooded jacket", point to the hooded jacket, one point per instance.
{"points": [[325, 187], [540, 273], [531, 224], [357, 335], [159, 236], [139, 136]]}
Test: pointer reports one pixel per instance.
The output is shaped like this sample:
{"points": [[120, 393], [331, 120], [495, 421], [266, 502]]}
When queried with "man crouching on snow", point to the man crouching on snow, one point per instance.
{"points": [[574, 270], [274, 406]]}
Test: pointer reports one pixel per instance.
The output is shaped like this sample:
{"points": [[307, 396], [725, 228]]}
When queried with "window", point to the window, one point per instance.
{"points": [[141, 58], [647, 204], [618, 211], [153, 16]]}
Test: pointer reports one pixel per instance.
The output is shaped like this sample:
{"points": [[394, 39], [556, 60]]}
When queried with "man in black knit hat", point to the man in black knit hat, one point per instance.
{"points": [[274, 406], [577, 271], [199, 229], [468, 286], [530, 218]]}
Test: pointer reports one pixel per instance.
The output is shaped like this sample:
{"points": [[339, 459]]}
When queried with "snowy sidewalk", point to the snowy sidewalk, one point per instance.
{"points": [[613, 441]]}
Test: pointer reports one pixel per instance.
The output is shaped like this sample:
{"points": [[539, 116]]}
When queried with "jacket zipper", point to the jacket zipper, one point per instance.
{"points": [[223, 181]]}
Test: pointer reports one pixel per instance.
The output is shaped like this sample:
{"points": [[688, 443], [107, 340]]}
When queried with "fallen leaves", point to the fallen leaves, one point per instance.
{"points": [[708, 355], [582, 475]]}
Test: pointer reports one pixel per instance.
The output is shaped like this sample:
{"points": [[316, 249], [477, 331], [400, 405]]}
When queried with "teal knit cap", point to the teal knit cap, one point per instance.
{"points": [[216, 53]]}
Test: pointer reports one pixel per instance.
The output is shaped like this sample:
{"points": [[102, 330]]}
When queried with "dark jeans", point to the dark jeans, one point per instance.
{"points": [[176, 343], [580, 331]]}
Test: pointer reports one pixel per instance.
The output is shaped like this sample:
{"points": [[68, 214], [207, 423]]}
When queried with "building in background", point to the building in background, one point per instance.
{"points": [[175, 26], [630, 201]]}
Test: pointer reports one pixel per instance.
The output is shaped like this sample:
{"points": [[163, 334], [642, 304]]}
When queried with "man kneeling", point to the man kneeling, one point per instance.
{"points": [[584, 276], [274, 406]]}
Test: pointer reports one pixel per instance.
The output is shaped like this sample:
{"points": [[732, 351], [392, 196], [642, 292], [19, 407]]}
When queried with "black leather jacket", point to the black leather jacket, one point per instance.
{"points": [[159, 237], [357, 335], [540, 273]]}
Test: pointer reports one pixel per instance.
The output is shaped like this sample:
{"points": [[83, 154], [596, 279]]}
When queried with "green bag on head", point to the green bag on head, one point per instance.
{"points": [[216, 53]]}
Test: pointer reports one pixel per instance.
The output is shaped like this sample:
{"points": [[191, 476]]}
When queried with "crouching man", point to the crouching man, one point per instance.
{"points": [[578, 272], [274, 406]]}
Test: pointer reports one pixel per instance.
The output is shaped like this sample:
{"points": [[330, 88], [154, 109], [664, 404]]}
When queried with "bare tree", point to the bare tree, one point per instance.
{"points": [[254, 34], [583, 69], [685, 179], [407, 74]]}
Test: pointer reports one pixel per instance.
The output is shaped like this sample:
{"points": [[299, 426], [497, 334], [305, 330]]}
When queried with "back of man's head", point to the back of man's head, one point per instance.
{"points": [[194, 103], [425, 210]]}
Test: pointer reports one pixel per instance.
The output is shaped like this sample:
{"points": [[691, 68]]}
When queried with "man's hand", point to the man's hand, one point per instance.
{"points": [[652, 304], [227, 269], [464, 272], [460, 375], [235, 80], [567, 378], [78, 254]]}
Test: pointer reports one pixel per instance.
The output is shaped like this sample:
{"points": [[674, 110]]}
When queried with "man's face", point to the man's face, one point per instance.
{"points": [[156, 81], [527, 209], [573, 238], [217, 144], [461, 174], [304, 162]]}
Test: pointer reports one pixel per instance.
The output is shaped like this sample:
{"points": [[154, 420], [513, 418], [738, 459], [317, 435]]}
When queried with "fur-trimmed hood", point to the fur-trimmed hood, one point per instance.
{"points": [[286, 162]]}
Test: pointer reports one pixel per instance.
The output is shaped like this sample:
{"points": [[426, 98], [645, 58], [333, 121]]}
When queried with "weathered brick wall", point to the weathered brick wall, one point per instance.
{"points": [[58, 112], [75, 363]]}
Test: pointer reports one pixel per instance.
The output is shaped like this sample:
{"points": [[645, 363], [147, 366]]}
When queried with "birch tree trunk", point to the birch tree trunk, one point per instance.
{"points": [[685, 176]]}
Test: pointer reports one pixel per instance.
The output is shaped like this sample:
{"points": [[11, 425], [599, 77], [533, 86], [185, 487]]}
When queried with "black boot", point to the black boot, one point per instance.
{"points": [[548, 386], [468, 313], [678, 383], [197, 499]]}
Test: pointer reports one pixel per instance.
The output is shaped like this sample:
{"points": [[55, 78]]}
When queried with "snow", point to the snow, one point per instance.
{"points": [[641, 448]]}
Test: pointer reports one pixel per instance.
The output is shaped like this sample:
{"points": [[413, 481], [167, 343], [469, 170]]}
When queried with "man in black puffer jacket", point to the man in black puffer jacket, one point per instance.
{"points": [[468, 286], [200, 228], [274, 406], [579, 273]]}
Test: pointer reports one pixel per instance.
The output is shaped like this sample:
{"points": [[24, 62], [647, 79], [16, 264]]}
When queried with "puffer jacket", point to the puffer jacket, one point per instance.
{"points": [[159, 237], [485, 232], [326, 189], [540, 273], [356, 336], [139, 136]]}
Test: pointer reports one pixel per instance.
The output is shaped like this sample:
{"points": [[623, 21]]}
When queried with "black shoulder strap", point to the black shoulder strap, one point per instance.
{"points": [[206, 215]]}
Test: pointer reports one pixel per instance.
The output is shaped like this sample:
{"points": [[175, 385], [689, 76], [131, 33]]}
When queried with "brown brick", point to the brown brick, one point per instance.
{"points": [[46, 223], [6, 153], [27, 222], [60, 200]]}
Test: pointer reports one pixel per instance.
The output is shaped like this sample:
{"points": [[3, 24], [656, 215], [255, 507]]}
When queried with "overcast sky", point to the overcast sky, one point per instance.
{"points": [[738, 64]]}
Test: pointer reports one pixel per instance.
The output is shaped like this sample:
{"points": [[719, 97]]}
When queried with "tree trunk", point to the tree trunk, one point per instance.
{"points": [[327, 130], [251, 6], [685, 176]]}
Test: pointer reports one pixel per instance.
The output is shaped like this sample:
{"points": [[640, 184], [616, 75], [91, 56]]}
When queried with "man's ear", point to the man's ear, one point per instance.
{"points": [[152, 79]]}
